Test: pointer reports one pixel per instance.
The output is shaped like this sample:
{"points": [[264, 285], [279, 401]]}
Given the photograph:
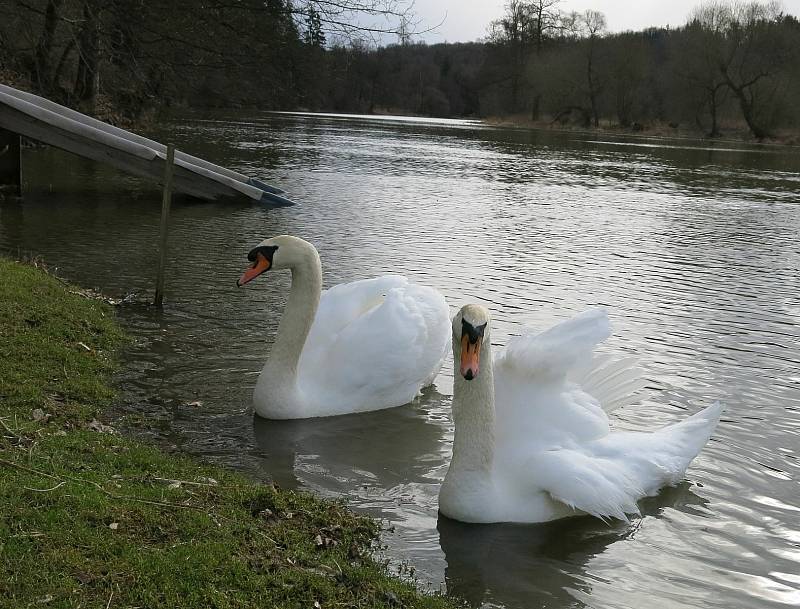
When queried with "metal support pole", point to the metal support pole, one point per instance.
{"points": [[166, 202], [10, 163]]}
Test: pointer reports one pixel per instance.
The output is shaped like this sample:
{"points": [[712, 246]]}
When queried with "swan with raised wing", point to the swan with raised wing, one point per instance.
{"points": [[360, 346], [532, 437]]}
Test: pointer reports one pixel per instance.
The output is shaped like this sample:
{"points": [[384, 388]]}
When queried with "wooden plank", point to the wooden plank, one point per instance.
{"points": [[137, 160], [166, 202], [48, 122], [76, 116]]}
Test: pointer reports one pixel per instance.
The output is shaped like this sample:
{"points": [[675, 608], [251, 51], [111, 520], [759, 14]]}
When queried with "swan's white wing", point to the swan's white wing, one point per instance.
{"points": [[555, 352], [537, 403], [537, 374], [342, 304], [613, 383], [385, 340], [608, 476]]}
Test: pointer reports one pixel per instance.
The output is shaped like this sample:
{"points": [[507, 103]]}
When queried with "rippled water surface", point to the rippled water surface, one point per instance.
{"points": [[694, 250]]}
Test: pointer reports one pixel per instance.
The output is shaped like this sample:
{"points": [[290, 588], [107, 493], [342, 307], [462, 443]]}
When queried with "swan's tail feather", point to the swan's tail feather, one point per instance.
{"points": [[688, 437], [662, 457], [607, 477]]}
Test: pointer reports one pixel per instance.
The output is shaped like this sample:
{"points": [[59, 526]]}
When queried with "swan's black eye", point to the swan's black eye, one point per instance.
{"points": [[268, 251], [472, 332]]}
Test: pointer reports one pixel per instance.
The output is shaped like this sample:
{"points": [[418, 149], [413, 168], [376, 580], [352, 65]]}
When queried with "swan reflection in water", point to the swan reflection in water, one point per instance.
{"points": [[375, 459], [510, 564]]}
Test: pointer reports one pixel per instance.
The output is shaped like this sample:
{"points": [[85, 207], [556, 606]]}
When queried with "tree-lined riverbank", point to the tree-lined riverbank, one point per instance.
{"points": [[90, 518], [730, 67]]}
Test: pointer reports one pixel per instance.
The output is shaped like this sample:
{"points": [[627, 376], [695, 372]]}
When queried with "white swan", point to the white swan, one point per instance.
{"points": [[366, 345], [532, 438]]}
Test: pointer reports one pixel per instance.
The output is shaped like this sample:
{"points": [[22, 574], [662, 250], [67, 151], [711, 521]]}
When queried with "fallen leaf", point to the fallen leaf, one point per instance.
{"points": [[196, 403], [39, 415], [175, 484], [113, 526], [205, 480]]}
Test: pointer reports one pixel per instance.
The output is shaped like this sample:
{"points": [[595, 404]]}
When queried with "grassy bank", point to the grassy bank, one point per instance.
{"points": [[91, 519]]}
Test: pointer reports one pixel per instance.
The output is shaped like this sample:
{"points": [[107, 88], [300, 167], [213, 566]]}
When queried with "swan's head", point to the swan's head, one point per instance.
{"points": [[284, 252], [470, 330]]}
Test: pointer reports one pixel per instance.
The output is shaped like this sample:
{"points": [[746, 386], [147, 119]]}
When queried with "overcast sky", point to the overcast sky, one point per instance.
{"points": [[466, 20]]}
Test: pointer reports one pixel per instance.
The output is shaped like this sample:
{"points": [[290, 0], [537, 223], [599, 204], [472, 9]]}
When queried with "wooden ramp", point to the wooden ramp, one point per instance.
{"points": [[40, 119]]}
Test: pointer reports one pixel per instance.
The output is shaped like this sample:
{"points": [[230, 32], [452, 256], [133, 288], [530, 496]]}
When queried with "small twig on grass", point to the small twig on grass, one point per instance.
{"points": [[45, 490], [267, 537], [109, 599], [171, 480]]}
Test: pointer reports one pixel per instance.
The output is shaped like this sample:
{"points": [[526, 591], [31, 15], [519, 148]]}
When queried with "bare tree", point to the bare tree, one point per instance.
{"points": [[697, 65], [547, 20], [404, 32], [592, 24], [351, 19], [742, 42], [513, 34], [522, 32]]}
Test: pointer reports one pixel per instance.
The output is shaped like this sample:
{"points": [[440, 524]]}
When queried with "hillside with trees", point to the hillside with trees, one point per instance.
{"points": [[730, 66]]}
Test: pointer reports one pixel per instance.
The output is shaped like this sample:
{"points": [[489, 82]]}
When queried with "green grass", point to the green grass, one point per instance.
{"points": [[91, 519]]}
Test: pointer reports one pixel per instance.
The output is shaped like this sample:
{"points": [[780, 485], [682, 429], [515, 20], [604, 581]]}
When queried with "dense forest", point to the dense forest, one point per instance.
{"points": [[732, 65]]}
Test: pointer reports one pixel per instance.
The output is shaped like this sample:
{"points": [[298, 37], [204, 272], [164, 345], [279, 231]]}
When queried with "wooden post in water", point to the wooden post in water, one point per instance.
{"points": [[166, 202], [10, 163]]}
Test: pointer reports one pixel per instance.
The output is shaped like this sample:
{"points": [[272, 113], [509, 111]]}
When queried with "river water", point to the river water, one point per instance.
{"points": [[694, 250]]}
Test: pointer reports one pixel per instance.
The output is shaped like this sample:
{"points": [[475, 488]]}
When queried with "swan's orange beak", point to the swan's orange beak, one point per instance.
{"points": [[470, 356], [259, 266]]}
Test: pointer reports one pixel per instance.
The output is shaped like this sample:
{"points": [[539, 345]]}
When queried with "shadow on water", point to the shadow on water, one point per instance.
{"points": [[509, 564], [383, 449]]}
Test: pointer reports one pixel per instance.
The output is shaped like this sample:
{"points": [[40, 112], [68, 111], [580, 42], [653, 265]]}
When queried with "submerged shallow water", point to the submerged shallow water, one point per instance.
{"points": [[694, 250]]}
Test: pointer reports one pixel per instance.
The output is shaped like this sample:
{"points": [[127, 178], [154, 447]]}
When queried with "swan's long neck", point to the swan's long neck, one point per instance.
{"points": [[301, 307], [474, 416]]}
